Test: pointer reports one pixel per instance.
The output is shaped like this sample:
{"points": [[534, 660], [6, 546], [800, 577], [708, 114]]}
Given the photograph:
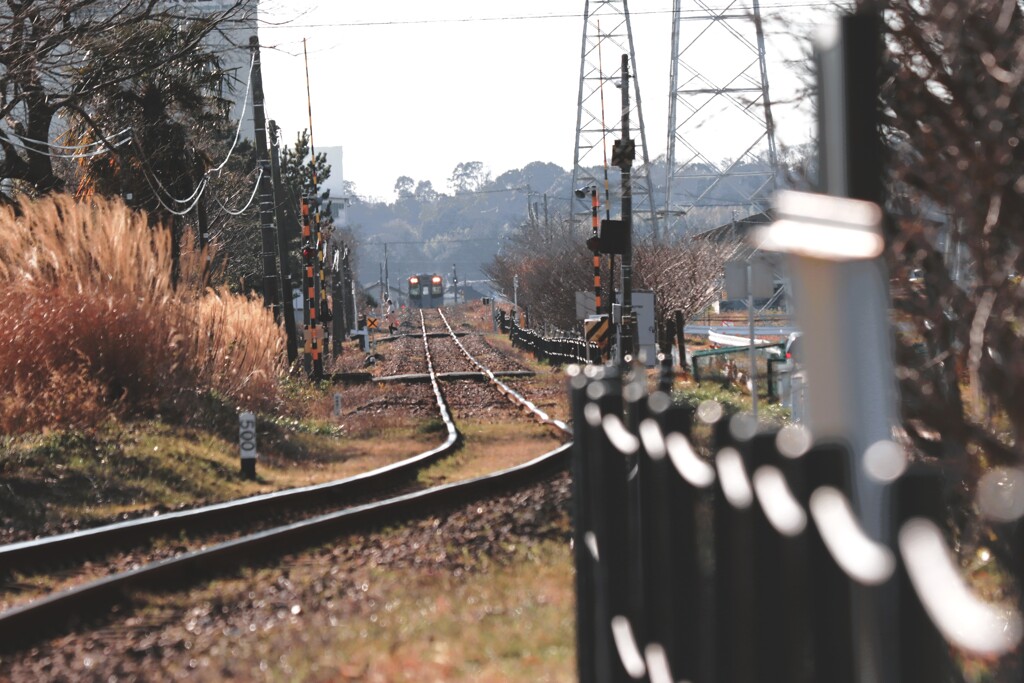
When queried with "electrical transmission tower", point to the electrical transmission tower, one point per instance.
{"points": [[721, 138], [606, 37]]}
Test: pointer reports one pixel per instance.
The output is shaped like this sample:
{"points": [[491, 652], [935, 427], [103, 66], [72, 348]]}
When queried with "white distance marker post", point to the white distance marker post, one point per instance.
{"points": [[247, 444], [337, 404]]}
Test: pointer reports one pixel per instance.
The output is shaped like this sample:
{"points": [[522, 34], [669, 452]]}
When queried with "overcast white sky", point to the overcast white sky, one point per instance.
{"points": [[413, 88]]}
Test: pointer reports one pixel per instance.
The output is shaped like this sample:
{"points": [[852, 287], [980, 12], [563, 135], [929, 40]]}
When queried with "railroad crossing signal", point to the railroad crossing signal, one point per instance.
{"points": [[613, 237], [599, 330], [371, 323], [623, 153]]}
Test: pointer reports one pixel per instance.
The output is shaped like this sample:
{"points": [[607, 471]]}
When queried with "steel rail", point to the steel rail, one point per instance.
{"points": [[62, 548], [514, 396], [27, 624]]}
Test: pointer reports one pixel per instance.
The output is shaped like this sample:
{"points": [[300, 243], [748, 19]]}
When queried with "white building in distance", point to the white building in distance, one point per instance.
{"points": [[336, 184], [230, 43]]}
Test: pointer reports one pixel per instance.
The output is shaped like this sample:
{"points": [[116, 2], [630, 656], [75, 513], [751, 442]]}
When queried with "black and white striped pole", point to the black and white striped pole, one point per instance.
{"points": [[840, 288]]}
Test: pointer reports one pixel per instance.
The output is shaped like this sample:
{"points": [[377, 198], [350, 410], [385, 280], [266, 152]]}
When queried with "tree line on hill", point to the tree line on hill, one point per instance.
{"points": [[482, 219]]}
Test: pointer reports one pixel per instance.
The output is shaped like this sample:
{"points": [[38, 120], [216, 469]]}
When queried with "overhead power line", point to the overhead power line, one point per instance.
{"points": [[182, 212], [192, 200], [28, 142], [526, 17], [241, 117], [252, 197]]}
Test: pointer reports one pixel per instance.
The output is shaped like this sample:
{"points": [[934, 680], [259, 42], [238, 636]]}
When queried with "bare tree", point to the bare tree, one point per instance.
{"points": [[953, 121], [684, 272], [552, 264], [50, 51]]}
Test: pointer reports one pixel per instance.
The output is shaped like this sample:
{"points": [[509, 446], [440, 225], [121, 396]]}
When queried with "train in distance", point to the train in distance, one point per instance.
{"points": [[426, 291]]}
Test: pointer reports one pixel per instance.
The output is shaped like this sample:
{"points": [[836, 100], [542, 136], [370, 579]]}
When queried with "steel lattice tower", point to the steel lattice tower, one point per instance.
{"points": [[721, 138], [606, 37]]}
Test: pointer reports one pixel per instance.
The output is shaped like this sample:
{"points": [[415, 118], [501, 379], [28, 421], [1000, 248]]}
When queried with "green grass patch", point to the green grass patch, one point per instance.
{"points": [[95, 476], [733, 401], [61, 479]]}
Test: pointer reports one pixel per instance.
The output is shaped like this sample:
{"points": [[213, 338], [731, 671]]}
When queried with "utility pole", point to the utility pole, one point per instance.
{"points": [[623, 153], [201, 215], [515, 294], [595, 238], [753, 349], [455, 285], [380, 305], [348, 294], [288, 308], [387, 278], [531, 207], [268, 230], [340, 323]]}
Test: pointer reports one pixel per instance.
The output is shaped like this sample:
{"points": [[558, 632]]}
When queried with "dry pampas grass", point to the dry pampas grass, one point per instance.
{"points": [[90, 324]]}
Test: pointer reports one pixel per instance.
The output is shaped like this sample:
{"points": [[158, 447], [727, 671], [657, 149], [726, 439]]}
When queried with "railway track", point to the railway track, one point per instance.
{"points": [[93, 598]]}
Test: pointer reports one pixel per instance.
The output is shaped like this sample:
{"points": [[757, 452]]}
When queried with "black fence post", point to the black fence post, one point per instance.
{"points": [[608, 490], [735, 634], [675, 585], [779, 603], [828, 587], [637, 479], [586, 586], [666, 373], [923, 652]]}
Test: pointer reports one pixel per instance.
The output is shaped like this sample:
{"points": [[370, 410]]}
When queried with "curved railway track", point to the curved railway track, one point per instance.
{"points": [[29, 622]]}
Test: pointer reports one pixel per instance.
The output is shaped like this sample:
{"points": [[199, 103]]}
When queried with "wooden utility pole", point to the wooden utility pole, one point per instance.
{"points": [[280, 202], [268, 231], [351, 309], [339, 325]]}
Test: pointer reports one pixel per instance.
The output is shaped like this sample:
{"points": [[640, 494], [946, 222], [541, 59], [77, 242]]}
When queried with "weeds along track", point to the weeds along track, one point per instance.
{"points": [[289, 520]]}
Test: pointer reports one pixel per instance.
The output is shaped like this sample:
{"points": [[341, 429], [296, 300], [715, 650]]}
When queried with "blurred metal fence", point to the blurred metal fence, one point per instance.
{"points": [[709, 550], [728, 364], [556, 350]]}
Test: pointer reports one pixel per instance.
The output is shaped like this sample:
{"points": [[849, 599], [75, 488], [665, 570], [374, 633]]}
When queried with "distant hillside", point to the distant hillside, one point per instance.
{"points": [[434, 231], [431, 232]]}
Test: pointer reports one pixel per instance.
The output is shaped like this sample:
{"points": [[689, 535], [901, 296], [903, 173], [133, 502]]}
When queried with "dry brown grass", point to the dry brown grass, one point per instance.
{"points": [[90, 324]]}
